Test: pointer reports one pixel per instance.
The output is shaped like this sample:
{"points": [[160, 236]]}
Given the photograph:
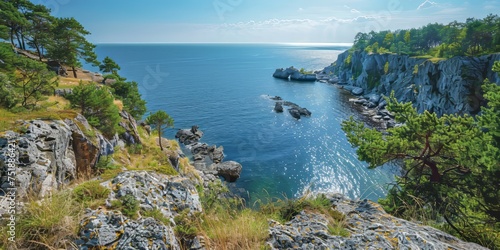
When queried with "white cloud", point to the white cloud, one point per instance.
{"points": [[301, 9], [426, 4], [355, 11]]}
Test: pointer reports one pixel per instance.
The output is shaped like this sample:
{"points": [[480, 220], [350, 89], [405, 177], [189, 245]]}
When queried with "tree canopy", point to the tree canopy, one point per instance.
{"points": [[96, 104], [450, 165], [472, 38]]}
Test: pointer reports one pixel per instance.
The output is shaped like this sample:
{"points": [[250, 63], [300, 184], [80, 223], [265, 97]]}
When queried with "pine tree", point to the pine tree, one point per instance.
{"points": [[160, 120]]}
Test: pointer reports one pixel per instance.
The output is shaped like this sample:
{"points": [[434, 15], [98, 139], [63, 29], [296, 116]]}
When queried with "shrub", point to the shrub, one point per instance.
{"points": [[127, 204], [90, 191]]}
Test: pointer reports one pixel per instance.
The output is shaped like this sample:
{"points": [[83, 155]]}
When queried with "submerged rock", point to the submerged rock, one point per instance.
{"points": [[278, 107]]}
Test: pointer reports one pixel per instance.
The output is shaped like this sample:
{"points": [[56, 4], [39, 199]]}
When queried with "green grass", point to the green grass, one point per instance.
{"points": [[128, 205], [157, 215], [8, 119], [91, 194]]}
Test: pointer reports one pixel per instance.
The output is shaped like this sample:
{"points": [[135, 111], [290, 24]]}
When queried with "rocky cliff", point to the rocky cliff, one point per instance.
{"points": [[446, 86], [50, 154]]}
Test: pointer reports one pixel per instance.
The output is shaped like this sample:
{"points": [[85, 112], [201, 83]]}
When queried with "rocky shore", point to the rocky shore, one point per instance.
{"points": [[50, 154], [208, 159]]}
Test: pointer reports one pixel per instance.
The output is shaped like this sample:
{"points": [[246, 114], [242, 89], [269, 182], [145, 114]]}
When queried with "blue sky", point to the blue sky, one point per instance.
{"points": [[293, 21]]}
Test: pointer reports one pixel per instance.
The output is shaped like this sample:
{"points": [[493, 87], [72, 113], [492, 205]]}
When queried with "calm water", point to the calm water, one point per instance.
{"points": [[222, 88]]}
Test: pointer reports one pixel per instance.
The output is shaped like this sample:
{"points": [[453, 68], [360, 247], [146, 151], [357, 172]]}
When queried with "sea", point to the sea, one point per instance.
{"points": [[224, 89]]}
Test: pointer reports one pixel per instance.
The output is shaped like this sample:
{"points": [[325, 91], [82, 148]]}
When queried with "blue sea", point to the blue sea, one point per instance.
{"points": [[223, 89]]}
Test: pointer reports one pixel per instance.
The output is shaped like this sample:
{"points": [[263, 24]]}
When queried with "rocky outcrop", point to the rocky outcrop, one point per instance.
{"points": [[292, 73], [208, 160], [44, 158], [278, 107], [50, 154], [129, 124], [111, 229], [170, 195], [189, 136], [294, 110], [229, 170], [369, 228], [87, 149], [448, 86]]}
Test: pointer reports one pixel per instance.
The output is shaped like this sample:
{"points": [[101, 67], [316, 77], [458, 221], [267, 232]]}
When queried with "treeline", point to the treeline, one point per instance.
{"points": [[473, 38], [25, 82], [450, 166]]}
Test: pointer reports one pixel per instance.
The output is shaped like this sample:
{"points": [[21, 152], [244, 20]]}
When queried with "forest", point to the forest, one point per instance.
{"points": [[474, 37]]}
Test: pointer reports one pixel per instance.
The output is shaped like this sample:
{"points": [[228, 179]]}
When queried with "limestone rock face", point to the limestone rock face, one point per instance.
{"points": [[369, 227], [43, 155], [112, 229], [448, 86], [50, 154], [87, 150], [169, 194], [131, 135]]}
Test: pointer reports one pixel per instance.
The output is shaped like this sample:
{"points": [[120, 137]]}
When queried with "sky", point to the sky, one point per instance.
{"points": [[257, 21]]}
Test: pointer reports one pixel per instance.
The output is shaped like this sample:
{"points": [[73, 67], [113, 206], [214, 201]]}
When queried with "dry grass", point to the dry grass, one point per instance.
{"points": [[147, 156], [8, 119], [51, 223], [247, 229], [119, 104]]}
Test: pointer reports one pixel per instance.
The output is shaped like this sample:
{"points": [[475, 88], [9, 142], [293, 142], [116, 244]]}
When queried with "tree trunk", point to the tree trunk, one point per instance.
{"points": [[12, 37], [38, 51], [19, 41], [74, 72], [436, 176], [159, 137], [22, 40]]}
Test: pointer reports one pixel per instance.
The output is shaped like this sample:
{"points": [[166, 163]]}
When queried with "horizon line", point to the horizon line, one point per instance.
{"points": [[273, 43]]}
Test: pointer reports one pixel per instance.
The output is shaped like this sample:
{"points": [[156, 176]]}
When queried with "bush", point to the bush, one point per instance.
{"points": [[127, 204], [90, 191]]}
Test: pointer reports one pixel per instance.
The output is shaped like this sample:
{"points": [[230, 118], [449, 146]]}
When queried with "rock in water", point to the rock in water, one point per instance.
{"points": [[295, 113], [189, 136], [230, 170], [216, 154], [278, 107], [304, 112]]}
